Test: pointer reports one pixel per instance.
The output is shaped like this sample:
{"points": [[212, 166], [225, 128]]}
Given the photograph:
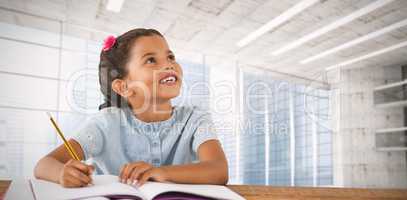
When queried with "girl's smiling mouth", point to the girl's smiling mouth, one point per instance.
{"points": [[168, 78]]}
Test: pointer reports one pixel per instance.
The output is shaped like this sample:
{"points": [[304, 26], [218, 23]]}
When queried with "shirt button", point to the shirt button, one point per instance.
{"points": [[156, 144]]}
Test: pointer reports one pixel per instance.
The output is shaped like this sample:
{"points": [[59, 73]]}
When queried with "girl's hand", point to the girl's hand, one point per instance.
{"points": [[156, 174], [75, 174], [138, 173]]}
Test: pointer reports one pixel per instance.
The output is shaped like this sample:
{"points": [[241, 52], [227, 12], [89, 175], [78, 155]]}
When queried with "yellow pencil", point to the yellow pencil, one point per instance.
{"points": [[66, 143]]}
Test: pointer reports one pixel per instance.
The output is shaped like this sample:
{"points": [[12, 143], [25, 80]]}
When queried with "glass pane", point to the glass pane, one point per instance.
{"points": [[21, 91], [42, 61]]}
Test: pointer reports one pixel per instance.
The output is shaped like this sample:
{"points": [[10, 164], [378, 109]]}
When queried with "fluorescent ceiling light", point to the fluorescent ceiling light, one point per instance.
{"points": [[287, 15], [357, 41], [371, 7], [370, 55], [114, 5]]}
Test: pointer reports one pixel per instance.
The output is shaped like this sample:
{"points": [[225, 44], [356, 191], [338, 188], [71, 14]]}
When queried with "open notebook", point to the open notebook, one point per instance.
{"points": [[108, 187]]}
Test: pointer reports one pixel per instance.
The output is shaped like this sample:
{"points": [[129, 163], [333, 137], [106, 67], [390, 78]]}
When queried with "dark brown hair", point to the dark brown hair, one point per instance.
{"points": [[113, 62]]}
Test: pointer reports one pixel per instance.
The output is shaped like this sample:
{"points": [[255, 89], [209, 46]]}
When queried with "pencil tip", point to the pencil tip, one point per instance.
{"points": [[49, 115]]}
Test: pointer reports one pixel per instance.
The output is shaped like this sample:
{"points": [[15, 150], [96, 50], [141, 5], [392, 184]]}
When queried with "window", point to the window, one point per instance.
{"points": [[60, 84], [252, 138], [293, 145], [195, 90], [279, 105]]}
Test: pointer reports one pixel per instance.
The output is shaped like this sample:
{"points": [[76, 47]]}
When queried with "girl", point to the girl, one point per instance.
{"points": [[138, 135]]}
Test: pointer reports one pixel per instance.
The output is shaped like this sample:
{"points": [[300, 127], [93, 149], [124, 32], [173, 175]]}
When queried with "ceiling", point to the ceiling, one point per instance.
{"points": [[214, 27]]}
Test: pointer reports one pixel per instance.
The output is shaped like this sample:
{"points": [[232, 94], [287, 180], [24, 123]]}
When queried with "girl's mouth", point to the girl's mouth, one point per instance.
{"points": [[169, 79]]}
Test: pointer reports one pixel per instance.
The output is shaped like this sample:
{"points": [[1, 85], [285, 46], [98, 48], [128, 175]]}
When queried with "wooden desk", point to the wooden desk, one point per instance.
{"points": [[3, 188], [252, 192]]}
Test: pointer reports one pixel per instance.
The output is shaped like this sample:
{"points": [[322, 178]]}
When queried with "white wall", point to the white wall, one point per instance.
{"points": [[357, 162], [37, 68], [224, 108]]}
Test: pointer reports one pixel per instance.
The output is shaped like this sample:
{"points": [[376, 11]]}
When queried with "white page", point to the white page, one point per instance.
{"points": [[104, 179], [103, 185], [97, 198], [152, 189]]}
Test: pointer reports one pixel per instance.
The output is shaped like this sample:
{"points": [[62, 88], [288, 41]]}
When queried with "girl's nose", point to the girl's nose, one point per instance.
{"points": [[169, 66]]}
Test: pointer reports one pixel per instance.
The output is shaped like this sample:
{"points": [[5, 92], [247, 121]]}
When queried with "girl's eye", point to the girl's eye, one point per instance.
{"points": [[171, 57], [150, 61]]}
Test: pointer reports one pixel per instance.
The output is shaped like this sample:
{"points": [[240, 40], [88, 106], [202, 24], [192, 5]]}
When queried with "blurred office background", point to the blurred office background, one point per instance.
{"points": [[303, 92]]}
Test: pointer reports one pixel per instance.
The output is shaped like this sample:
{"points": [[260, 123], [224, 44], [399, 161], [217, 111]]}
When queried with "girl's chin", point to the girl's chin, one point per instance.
{"points": [[170, 88], [168, 94]]}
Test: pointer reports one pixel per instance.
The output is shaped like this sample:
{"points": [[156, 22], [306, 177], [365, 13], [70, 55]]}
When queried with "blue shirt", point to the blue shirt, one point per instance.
{"points": [[114, 137]]}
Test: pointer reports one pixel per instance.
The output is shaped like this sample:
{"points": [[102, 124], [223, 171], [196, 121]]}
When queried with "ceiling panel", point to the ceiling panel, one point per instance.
{"points": [[213, 27]]}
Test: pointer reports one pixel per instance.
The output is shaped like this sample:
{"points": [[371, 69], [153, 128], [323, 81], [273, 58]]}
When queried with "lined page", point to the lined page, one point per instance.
{"points": [[152, 189]]}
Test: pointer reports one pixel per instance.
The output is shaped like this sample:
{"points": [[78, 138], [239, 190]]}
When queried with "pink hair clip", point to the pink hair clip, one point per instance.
{"points": [[108, 43]]}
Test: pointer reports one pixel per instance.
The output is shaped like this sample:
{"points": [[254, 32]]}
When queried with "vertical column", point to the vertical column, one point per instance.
{"points": [[314, 144], [292, 134], [58, 116], [267, 140], [240, 119], [404, 77], [337, 137]]}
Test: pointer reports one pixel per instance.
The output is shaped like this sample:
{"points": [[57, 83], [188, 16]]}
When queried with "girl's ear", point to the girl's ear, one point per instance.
{"points": [[120, 87]]}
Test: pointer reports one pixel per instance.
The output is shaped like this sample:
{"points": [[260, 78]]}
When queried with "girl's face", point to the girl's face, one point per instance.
{"points": [[153, 74]]}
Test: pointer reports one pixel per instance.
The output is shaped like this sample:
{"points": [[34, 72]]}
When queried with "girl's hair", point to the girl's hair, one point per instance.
{"points": [[113, 64]]}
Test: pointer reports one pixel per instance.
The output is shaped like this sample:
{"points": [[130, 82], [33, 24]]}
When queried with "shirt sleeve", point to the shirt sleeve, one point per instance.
{"points": [[205, 131], [90, 137]]}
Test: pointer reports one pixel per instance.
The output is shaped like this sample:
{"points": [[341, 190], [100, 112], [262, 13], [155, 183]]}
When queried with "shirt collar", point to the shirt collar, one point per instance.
{"points": [[148, 127]]}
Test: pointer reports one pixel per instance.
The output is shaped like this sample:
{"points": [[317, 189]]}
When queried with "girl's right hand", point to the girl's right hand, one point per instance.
{"points": [[75, 174]]}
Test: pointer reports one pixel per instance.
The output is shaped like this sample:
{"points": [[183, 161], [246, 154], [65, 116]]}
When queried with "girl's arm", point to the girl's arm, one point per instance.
{"points": [[211, 169], [58, 167]]}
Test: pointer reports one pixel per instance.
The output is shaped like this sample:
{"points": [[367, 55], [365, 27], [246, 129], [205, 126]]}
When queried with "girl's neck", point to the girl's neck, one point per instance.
{"points": [[154, 112]]}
